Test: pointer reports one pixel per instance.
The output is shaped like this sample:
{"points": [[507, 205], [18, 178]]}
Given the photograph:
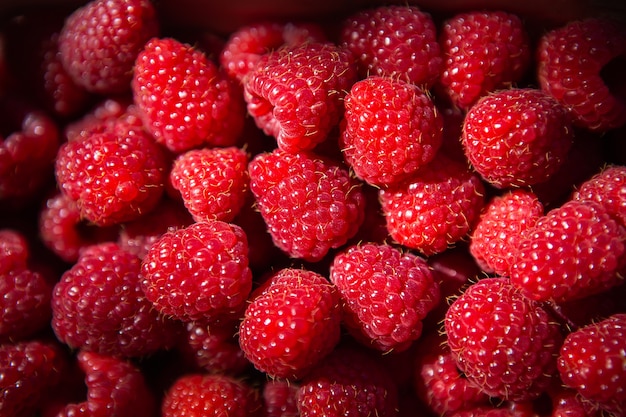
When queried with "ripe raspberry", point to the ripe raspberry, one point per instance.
{"points": [[502, 341], [386, 294], [493, 411], [435, 208], [607, 187], [390, 130], [394, 41], [213, 182], [114, 177], [502, 225], [198, 395], [114, 387], [568, 403], [14, 250], [291, 323], [245, 46], [100, 41], [579, 64], [309, 204], [103, 116], [573, 251], [348, 382], [98, 305], [593, 362], [295, 94], [199, 271], [482, 52], [516, 137], [280, 398], [186, 101]]}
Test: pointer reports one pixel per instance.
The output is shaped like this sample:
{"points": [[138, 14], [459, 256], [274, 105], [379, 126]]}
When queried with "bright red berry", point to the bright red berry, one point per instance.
{"points": [[482, 52], [280, 398], [517, 137], [578, 64], [394, 41], [391, 129], [185, 100], [295, 94], [607, 187], [503, 342], [291, 324]]}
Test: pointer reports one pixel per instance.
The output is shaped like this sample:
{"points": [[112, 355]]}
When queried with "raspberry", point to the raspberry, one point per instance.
{"points": [[103, 116], [197, 395], [573, 251], [291, 324], [114, 387], [503, 342], [199, 271], [391, 129], [592, 361], [186, 101], [114, 177], [295, 94], [607, 187], [517, 137], [394, 41], [246, 45], [310, 204], [568, 403], [348, 382], [386, 294], [482, 52], [213, 182], [435, 208], [100, 41], [14, 250], [280, 398], [579, 65], [502, 225], [98, 305]]}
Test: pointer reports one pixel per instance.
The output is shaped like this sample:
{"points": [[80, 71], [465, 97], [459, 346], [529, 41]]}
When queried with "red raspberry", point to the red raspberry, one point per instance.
{"points": [[607, 187], [103, 116], [578, 64], [502, 225], [115, 387], [309, 204], [503, 342], [517, 137], [186, 101], [493, 411], [593, 362], [14, 250], [280, 398], [245, 46], [98, 305], [390, 130], [295, 94], [395, 41], [213, 182], [114, 177], [386, 294], [27, 370], [291, 324], [348, 382], [573, 251], [435, 208], [199, 271], [482, 52], [197, 395], [101, 40], [568, 403]]}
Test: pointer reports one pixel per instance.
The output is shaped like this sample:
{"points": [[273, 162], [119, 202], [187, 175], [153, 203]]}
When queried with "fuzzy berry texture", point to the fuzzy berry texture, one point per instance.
{"points": [[386, 294], [213, 182], [434, 209], [502, 225], [607, 187], [101, 40], [517, 137], [394, 41], [482, 52], [291, 323], [503, 342], [280, 398], [575, 250], [199, 271], [310, 204], [587, 84], [391, 129], [14, 250], [186, 101], [295, 94]]}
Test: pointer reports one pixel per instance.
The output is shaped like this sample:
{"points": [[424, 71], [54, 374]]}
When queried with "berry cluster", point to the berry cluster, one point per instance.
{"points": [[390, 213]]}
